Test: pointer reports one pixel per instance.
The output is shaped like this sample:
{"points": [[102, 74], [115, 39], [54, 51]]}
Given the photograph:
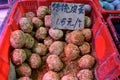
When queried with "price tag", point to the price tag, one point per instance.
{"points": [[67, 16]]}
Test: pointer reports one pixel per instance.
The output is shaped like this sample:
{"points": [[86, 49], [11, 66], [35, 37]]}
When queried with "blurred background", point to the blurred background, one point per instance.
{"points": [[3, 2], [5, 6]]}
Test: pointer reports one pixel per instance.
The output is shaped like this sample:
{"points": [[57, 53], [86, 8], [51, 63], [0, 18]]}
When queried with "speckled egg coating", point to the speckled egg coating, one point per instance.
{"points": [[71, 51], [69, 77], [29, 41], [18, 56], [88, 22], [40, 48], [50, 75], [54, 63], [25, 25], [35, 61], [37, 22], [28, 52], [48, 41], [17, 39], [56, 34], [85, 74], [24, 78], [30, 15], [86, 62], [24, 70], [41, 33], [85, 48], [76, 37], [87, 34], [47, 20], [42, 11], [57, 47]]}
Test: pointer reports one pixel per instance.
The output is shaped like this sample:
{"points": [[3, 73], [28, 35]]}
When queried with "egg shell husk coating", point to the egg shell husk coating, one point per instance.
{"points": [[88, 22], [25, 25], [17, 39], [85, 48], [50, 75], [24, 78], [41, 33], [28, 52], [54, 63], [86, 62], [85, 74], [18, 56], [47, 20], [42, 11], [71, 51], [23, 70], [76, 37], [56, 34], [69, 77], [35, 61], [30, 15], [29, 41], [40, 48], [87, 34], [56, 48], [48, 41], [37, 22]]}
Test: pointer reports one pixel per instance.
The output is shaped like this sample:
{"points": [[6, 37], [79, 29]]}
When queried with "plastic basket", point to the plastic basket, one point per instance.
{"points": [[23, 6], [110, 69], [113, 24], [106, 51]]}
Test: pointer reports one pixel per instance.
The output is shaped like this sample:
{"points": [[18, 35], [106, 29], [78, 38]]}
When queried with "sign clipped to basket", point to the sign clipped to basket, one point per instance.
{"points": [[67, 15]]}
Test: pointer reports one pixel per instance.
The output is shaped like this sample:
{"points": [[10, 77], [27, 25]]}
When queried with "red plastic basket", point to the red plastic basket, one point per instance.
{"points": [[100, 34], [110, 69], [106, 51]]}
